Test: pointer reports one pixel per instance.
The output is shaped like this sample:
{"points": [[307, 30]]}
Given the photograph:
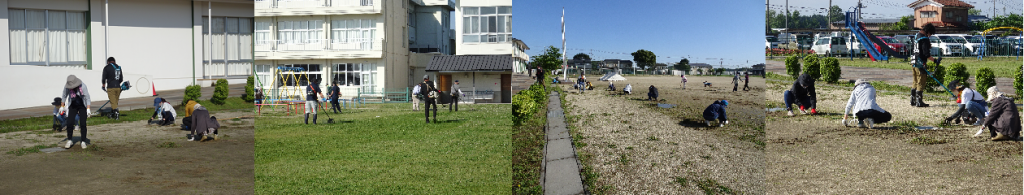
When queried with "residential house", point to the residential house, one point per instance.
{"points": [[700, 68], [944, 14]]}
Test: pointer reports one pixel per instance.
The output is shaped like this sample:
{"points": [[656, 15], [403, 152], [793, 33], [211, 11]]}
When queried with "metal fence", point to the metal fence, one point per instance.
{"points": [[397, 95]]}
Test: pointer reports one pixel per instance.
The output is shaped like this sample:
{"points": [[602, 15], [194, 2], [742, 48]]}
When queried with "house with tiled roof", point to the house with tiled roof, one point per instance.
{"points": [[944, 14]]}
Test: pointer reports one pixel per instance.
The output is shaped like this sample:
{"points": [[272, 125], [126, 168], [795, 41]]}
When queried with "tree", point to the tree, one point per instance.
{"points": [[973, 11], [581, 56], [644, 58], [683, 65], [550, 60], [904, 24]]}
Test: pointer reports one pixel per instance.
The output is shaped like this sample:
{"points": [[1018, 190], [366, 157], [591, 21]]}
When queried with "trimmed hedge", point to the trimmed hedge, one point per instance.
{"points": [[1017, 81], [830, 70], [939, 72], [958, 71], [812, 67], [220, 92], [249, 92], [793, 66], [527, 102], [192, 92], [985, 78]]}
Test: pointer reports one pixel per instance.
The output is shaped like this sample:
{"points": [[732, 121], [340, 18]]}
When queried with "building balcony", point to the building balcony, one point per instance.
{"points": [[316, 7], [318, 49]]}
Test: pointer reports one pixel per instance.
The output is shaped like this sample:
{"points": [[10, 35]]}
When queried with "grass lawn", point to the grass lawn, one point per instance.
{"points": [[1002, 66], [386, 149], [43, 122]]}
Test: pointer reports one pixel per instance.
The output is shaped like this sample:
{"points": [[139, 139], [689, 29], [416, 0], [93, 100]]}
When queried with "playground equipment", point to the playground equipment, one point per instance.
{"points": [[981, 54], [287, 87]]}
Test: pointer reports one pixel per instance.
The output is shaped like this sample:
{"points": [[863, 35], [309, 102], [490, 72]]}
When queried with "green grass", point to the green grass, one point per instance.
{"points": [[44, 122], [386, 149], [29, 150], [1003, 66]]}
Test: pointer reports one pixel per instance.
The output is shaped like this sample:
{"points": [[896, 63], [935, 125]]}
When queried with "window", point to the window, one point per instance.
{"points": [[356, 74], [487, 24], [928, 14], [357, 34], [298, 32], [53, 37], [228, 50], [949, 14], [299, 78]]}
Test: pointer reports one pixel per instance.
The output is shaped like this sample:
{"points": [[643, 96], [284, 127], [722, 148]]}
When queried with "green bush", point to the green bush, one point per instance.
{"points": [[812, 67], [220, 92], [1018, 81], [793, 66], [957, 71], [192, 92], [939, 72], [830, 70], [985, 78], [249, 92]]}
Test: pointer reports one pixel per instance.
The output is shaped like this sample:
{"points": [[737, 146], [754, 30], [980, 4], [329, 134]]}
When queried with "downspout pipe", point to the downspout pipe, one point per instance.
{"points": [[106, 29]]}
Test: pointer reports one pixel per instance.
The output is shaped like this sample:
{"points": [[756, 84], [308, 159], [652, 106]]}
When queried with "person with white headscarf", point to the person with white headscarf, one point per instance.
{"points": [[1003, 120], [862, 103]]}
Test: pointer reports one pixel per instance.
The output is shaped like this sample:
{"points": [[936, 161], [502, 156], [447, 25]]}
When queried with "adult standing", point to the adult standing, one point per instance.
{"points": [[112, 78], [540, 77], [863, 105], [684, 80], [922, 52], [335, 92], [312, 89], [76, 96], [735, 81], [416, 97], [455, 92], [746, 82], [1004, 120], [802, 94], [425, 88]]}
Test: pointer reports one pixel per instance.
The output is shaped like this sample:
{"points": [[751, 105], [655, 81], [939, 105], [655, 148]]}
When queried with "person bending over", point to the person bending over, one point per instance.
{"points": [[716, 111], [802, 94], [862, 103], [1004, 120]]}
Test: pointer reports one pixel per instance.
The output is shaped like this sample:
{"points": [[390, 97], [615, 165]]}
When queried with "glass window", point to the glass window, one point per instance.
{"points": [[492, 24], [471, 11], [505, 10], [487, 10], [46, 37]]}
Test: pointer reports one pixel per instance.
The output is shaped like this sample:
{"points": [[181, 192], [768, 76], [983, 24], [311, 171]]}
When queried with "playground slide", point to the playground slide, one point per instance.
{"points": [[881, 44], [858, 30]]}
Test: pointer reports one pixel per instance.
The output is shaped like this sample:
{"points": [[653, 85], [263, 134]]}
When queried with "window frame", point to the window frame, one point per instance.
{"points": [[481, 27], [66, 30]]}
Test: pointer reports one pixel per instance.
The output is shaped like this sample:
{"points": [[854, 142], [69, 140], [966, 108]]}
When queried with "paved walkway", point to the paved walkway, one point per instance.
{"points": [[561, 167], [172, 96]]}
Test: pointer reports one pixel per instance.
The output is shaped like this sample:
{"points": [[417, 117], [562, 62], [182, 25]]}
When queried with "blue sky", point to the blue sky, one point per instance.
{"points": [[889, 8], [671, 29]]}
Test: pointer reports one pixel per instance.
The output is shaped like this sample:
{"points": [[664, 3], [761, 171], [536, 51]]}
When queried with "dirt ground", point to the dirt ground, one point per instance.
{"points": [[133, 158], [894, 76], [816, 154], [639, 148]]}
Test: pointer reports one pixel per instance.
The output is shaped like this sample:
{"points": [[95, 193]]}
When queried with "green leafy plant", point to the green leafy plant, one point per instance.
{"points": [[220, 92], [249, 92], [192, 92], [812, 67], [793, 66], [1018, 81], [938, 71], [958, 71], [985, 78], [830, 70]]}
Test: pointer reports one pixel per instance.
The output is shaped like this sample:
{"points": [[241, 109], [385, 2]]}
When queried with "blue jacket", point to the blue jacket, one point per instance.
{"points": [[715, 111]]}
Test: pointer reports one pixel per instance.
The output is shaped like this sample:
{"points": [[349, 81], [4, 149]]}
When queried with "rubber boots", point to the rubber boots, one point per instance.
{"points": [[913, 97], [920, 99], [307, 118]]}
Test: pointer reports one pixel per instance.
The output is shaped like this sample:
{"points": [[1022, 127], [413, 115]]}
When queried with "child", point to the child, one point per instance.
{"points": [[716, 111], [684, 80]]}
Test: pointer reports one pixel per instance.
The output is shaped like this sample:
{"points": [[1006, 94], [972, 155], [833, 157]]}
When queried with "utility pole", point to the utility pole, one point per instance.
{"points": [[993, 9], [768, 24], [829, 14], [858, 9], [787, 14]]}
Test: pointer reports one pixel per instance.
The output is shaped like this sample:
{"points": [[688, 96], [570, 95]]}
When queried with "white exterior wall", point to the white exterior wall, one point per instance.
{"points": [[480, 48], [150, 39]]}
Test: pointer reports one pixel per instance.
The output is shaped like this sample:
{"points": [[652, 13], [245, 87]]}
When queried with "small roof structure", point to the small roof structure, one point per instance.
{"points": [[943, 3], [470, 63]]}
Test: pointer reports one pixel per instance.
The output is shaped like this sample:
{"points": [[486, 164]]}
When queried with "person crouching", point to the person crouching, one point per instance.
{"points": [[862, 102], [168, 113], [716, 111], [1003, 119], [203, 125]]}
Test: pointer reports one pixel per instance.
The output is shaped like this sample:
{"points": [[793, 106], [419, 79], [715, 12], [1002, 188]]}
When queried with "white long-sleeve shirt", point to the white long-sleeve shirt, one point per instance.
{"points": [[968, 95], [166, 107], [862, 98]]}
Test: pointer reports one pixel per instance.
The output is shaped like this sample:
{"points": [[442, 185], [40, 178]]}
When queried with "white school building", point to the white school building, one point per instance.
{"points": [[167, 44]]}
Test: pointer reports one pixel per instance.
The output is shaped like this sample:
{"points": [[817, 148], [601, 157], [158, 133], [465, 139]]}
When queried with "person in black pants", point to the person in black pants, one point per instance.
{"points": [[540, 77], [335, 92], [455, 91], [76, 95], [426, 87]]}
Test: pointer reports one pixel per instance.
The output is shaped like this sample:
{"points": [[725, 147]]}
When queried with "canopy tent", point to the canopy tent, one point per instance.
{"points": [[613, 77]]}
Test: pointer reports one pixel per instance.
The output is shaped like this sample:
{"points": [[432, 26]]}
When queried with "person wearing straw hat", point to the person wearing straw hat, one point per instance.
{"points": [[1003, 120], [862, 102], [76, 96]]}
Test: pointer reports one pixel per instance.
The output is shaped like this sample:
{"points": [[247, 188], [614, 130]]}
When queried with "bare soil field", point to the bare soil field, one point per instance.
{"points": [[816, 154], [132, 158], [638, 147]]}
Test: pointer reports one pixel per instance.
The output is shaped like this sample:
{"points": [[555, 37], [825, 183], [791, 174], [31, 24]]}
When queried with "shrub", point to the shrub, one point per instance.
{"points": [[985, 78], [939, 72], [957, 71], [192, 92], [220, 92], [249, 92], [812, 67], [830, 70], [1018, 81], [793, 66]]}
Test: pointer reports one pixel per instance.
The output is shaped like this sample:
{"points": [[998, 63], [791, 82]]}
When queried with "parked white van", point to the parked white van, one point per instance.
{"points": [[829, 46], [947, 45], [970, 44]]}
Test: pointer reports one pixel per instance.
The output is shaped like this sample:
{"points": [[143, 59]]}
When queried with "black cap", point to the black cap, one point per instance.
{"points": [[56, 101]]}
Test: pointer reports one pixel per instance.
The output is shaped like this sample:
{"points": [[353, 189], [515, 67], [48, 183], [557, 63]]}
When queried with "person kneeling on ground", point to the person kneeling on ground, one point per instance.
{"points": [[186, 122], [961, 111], [168, 113], [628, 89], [652, 93], [716, 111], [862, 101], [157, 117], [203, 125], [802, 94], [611, 86], [973, 102], [1004, 120]]}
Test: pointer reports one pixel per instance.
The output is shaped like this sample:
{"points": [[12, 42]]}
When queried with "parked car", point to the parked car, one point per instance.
{"points": [[774, 42], [905, 39], [805, 41], [830, 46], [970, 48], [854, 46], [892, 43], [947, 45]]}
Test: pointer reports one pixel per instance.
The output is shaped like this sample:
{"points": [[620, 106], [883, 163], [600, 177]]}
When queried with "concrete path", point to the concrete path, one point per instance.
{"points": [[172, 96], [561, 167]]}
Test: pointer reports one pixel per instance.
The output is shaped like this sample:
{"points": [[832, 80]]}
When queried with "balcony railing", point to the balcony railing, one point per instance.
{"points": [[264, 4], [318, 45]]}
